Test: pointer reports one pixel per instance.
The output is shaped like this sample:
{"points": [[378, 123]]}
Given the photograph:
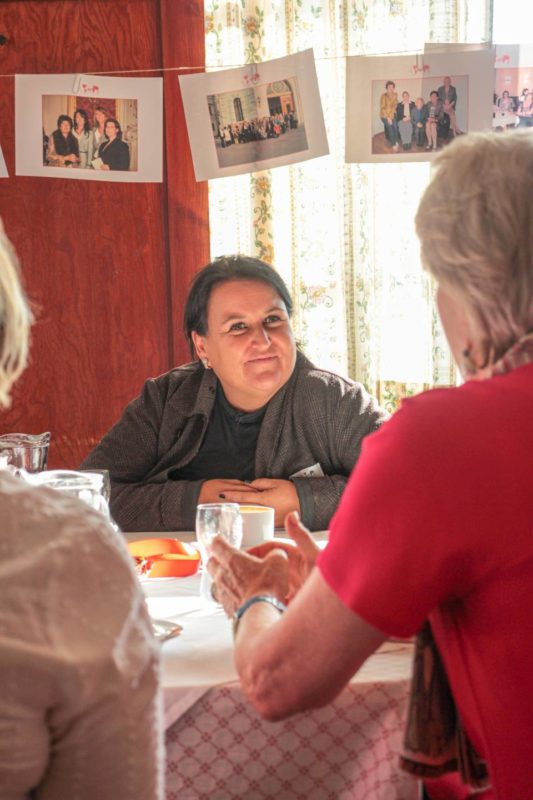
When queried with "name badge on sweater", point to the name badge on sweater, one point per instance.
{"points": [[309, 472]]}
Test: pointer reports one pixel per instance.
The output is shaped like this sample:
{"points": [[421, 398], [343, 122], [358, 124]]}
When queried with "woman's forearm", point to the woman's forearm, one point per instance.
{"points": [[285, 662]]}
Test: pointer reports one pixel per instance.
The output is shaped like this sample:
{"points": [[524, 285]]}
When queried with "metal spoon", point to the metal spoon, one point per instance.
{"points": [[164, 629]]}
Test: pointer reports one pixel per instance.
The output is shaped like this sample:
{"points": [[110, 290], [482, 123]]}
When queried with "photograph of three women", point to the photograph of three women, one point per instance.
{"points": [[89, 133]]}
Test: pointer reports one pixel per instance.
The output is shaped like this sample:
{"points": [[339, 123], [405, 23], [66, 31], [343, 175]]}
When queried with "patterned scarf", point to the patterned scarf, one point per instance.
{"points": [[435, 742]]}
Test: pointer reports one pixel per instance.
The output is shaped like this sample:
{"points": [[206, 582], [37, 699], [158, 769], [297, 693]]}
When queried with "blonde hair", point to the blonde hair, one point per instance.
{"points": [[475, 224], [15, 320]]}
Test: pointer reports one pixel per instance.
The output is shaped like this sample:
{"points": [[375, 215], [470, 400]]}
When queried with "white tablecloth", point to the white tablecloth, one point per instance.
{"points": [[219, 748]]}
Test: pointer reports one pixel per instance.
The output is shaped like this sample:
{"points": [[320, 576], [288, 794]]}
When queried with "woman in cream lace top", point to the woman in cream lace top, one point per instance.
{"points": [[79, 700]]}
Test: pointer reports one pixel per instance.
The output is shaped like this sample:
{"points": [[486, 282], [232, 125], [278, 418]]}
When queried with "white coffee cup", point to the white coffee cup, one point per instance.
{"points": [[257, 525]]}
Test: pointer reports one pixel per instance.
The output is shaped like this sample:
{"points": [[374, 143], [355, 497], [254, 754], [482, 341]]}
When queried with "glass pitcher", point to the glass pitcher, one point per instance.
{"points": [[91, 487], [26, 451]]}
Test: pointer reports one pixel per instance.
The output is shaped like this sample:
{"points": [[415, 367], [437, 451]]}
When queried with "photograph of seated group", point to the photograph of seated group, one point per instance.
{"points": [[513, 89], [89, 133], [416, 115], [409, 107]]}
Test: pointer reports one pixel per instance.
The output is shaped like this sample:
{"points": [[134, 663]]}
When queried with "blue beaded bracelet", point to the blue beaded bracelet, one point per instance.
{"points": [[258, 598]]}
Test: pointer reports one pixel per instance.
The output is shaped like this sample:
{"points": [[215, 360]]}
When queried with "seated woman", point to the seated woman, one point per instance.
{"points": [[79, 710], [113, 152], [504, 115], [436, 522], [525, 110], [63, 148], [434, 115], [505, 103], [419, 117], [251, 421], [404, 112]]}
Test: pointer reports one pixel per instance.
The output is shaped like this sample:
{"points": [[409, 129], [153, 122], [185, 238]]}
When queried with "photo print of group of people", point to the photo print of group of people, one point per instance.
{"points": [[89, 127], [419, 122], [237, 118], [84, 133], [513, 87], [407, 107], [254, 117]]}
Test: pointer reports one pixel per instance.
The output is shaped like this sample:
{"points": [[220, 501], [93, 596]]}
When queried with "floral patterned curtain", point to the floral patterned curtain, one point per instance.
{"points": [[341, 235]]}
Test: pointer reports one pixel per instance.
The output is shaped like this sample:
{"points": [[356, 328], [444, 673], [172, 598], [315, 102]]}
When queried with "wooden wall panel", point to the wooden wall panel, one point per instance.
{"points": [[95, 256], [187, 200]]}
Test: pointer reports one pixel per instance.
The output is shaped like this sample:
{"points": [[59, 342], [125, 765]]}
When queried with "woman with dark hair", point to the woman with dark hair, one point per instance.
{"points": [[505, 103], [525, 110], [435, 114], [83, 133], [251, 420], [114, 153], [404, 116], [62, 145]]}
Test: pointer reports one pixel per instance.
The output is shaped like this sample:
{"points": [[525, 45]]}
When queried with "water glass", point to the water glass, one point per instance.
{"points": [[214, 519]]}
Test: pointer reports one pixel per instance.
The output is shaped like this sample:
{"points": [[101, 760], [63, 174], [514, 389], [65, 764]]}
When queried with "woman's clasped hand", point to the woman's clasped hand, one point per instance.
{"points": [[276, 568]]}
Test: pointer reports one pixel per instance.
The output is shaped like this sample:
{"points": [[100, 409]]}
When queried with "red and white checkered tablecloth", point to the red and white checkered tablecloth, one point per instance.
{"points": [[220, 749]]}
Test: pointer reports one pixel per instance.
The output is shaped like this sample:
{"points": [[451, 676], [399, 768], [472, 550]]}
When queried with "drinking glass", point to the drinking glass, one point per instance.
{"points": [[214, 519]]}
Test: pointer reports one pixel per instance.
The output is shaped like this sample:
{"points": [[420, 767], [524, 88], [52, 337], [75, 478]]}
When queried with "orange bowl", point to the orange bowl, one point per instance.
{"points": [[145, 548], [173, 565], [164, 558]]}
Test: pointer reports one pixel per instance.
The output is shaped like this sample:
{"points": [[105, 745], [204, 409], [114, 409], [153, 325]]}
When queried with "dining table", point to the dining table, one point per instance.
{"points": [[219, 748]]}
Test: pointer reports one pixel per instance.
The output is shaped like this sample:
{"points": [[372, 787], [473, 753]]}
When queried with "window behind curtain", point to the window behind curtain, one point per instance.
{"points": [[342, 235]]}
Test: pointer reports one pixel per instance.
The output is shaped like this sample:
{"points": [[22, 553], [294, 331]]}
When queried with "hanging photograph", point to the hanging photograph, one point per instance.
{"points": [[89, 127], [406, 108], [513, 87], [255, 117]]}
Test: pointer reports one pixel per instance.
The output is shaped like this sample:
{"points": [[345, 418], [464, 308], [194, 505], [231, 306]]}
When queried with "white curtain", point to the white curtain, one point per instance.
{"points": [[341, 235]]}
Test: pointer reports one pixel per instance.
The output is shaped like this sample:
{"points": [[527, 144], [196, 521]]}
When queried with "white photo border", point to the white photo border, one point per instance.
{"points": [[476, 64], [29, 91], [196, 88]]}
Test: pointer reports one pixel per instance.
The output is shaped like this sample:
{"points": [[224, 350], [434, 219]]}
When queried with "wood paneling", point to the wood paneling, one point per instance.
{"points": [[105, 280], [187, 211]]}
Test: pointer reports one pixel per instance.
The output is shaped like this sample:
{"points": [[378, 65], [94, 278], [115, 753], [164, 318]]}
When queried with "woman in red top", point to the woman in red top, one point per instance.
{"points": [[436, 521]]}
